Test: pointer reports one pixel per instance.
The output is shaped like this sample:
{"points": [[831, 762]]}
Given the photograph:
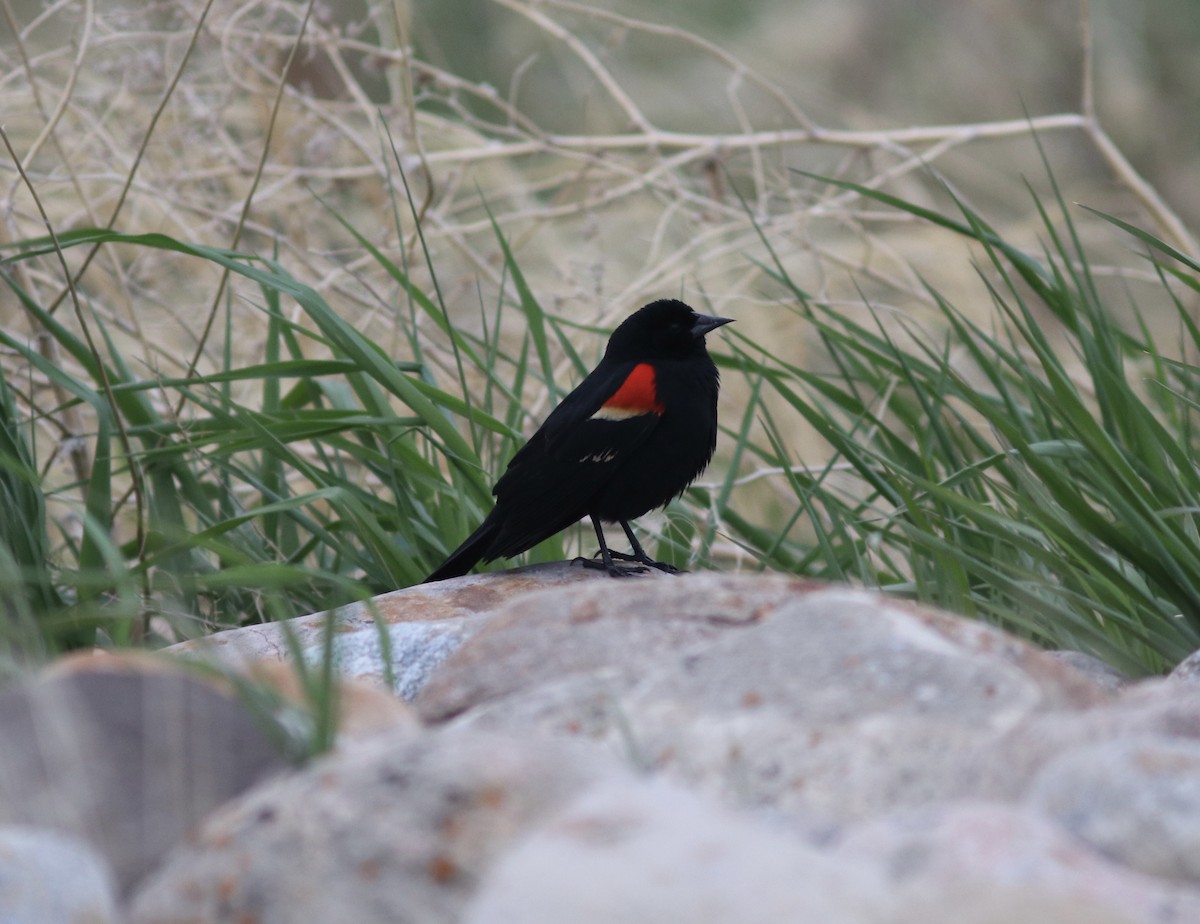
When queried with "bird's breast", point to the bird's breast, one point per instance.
{"points": [[635, 396]]}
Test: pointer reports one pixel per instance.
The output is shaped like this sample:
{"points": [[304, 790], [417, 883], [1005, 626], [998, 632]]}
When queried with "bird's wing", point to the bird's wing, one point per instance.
{"points": [[554, 478], [594, 428]]}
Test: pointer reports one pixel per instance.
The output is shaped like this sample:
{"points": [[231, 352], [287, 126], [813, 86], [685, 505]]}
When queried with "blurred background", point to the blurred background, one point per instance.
{"points": [[862, 64], [626, 151], [476, 106]]}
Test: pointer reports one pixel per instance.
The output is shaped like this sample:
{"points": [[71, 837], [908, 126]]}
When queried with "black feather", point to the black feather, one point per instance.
{"points": [[621, 464]]}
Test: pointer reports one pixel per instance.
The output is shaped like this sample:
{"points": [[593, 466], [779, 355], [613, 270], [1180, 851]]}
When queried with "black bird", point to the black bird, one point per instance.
{"points": [[634, 434]]}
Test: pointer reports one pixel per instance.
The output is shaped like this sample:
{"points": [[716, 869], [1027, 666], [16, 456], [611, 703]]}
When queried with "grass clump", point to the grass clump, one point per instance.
{"points": [[322, 479], [1039, 472]]}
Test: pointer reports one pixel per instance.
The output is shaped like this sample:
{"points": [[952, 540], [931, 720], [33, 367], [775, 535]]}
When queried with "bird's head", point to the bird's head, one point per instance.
{"points": [[665, 329]]}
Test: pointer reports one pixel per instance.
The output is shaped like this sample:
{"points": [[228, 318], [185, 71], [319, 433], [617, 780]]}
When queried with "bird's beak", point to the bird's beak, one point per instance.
{"points": [[706, 323]]}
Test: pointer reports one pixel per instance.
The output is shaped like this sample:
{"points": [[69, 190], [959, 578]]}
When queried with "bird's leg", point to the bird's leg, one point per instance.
{"points": [[639, 554], [606, 557]]}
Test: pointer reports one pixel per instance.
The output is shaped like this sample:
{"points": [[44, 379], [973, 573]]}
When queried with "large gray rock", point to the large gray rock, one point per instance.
{"points": [[51, 878], [402, 636], [766, 690], [656, 854], [129, 754], [981, 863], [846, 719], [1005, 766], [1187, 671], [618, 629], [392, 830], [1135, 799], [1104, 675]]}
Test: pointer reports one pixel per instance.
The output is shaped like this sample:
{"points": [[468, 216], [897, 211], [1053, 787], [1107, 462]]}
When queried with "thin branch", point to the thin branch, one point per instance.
{"points": [[137, 160], [249, 199], [1087, 81]]}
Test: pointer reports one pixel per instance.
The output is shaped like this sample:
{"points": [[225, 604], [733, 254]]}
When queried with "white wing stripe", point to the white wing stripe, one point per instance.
{"points": [[619, 413]]}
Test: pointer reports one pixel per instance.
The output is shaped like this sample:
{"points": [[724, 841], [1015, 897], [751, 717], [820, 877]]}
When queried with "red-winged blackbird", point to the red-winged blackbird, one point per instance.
{"points": [[633, 435]]}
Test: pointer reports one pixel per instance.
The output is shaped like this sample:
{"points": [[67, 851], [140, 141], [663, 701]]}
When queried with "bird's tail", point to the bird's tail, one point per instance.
{"points": [[467, 555]]}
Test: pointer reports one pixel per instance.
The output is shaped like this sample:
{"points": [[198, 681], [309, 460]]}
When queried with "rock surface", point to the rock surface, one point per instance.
{"points": [[1105, 676], [394, 830], [766, 691], [1187, 670], [51, 878], [648, 852], [423, 625], [980, 863], [1134, 799], [127, 754], [363, 708], [1005, 766], [707, 747]]}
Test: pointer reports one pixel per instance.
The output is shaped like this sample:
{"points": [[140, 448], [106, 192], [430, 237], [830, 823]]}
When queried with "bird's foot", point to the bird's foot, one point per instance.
{"points": [[644, 560], [649, 562], [613, 569]]}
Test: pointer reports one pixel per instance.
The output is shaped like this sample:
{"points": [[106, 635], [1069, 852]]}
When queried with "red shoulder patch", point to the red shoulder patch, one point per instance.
{"points": [[637, 395]]}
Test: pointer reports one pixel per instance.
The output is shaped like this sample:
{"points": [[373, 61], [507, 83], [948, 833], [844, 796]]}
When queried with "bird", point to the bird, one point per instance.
{"points": [[631, 437]]}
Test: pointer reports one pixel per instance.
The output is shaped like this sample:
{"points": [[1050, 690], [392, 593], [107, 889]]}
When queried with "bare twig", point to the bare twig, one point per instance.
{"points": [[1087, 103], [249, 199]]}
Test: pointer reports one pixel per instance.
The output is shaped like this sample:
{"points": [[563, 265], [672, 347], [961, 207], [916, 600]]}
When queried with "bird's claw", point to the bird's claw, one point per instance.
{"points": [[644, 563], [613, 569], [646, 560]]}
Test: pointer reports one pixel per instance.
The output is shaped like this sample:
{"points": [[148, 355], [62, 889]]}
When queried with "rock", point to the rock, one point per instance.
{"points": [[424, 624], [1104, 675], [1136, 800], [843, 718], [51, 878], [392, 830], [363, 709], [1187, 670], [981, 863], [129, 753], [769, 691], [649, 852], [613, 628], [1004, 767], [625, 629]]}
